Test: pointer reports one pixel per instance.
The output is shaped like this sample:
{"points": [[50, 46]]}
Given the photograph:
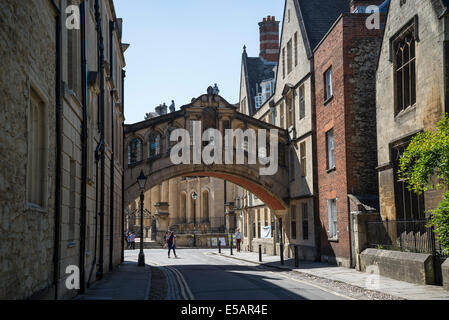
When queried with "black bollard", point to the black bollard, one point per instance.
{"points": [[281, 249], [232, 242], [219, 246], [260, 253], [296, 256]]}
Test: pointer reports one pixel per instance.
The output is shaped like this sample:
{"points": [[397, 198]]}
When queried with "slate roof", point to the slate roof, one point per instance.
{"points": [[257, 70], [318, 16]]}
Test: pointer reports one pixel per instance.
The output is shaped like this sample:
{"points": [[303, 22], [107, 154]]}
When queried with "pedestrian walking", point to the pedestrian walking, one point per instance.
{"points": [[171, 242], [133, 241], [238, 239]]}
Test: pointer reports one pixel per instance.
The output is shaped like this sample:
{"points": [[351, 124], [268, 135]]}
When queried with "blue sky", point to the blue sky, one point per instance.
{"points": [[179, 48]]}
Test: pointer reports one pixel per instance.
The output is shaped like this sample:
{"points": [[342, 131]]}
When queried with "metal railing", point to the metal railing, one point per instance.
{"points": [[409, 236]]}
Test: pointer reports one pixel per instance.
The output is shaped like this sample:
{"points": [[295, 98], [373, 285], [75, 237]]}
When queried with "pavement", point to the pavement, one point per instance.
{"points": [[128, 282], [400, 289]]}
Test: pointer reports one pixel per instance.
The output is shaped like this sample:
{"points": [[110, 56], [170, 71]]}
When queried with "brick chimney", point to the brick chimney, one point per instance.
{"points": [[364, 3], [269, 39]]}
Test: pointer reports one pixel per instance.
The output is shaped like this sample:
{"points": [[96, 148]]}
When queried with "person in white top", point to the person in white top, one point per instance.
{"points": [[238, 239]]}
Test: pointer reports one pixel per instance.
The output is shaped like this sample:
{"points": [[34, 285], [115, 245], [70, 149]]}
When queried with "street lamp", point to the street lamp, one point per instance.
{"points": [[141, 180], [194, 197]]}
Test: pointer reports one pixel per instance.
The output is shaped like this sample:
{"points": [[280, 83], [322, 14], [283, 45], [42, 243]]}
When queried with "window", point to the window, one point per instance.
{"points": [[292, 164], [282, 117], [303, 159], [290, 116], [332, 213], [258, 100], [330, 149], [328, 84], [409, 205], [289, 57], [154, 145], [305, 222], [135, 151], [283, 62], [302, 103], [295, 40], [259, 225], [293, 221], [273, 115], [288, 15], [405, 70], [37, 162]]}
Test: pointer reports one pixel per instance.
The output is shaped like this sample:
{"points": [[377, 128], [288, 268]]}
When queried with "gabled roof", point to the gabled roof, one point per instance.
{"points": [[316, 18], [256, 70]]}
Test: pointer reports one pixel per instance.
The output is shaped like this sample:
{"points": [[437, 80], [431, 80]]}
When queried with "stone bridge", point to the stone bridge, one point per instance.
{"points": [[149, 147]]}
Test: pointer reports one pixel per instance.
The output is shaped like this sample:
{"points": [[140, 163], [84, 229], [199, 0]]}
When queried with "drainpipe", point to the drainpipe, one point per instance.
{"points": [[101, 126], [111, 197], [123, 168], [97, 158], [82, 257], [56, 244]]}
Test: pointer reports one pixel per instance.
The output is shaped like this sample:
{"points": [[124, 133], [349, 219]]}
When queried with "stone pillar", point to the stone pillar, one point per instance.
{"points": [[173, 195], [155, 197]]}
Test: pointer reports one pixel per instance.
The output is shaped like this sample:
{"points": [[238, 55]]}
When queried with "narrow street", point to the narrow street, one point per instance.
{"points": [[201, 274]]}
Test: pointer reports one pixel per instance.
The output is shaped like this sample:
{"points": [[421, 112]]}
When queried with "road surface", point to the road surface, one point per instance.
{"points": [[202, 274]]}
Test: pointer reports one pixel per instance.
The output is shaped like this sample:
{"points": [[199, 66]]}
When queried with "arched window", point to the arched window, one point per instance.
{"points": [[205, 207], [154, 145], [170, 144], [135, 151]]}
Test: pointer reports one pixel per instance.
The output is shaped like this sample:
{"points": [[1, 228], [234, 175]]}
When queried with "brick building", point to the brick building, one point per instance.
{"points": [[344, 64]]}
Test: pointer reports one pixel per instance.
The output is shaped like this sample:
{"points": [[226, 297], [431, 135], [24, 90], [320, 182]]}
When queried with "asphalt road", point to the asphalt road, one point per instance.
{"points": [[202, 274]]}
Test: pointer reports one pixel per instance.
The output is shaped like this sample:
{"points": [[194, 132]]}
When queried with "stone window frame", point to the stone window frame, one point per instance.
{"points": [[138, 151], [303, 158], [401, 192], [158, 145], [410, 29], [328, 87], [302, 101], [36, 166], [293, 224], [289, 56], [305, 221]]}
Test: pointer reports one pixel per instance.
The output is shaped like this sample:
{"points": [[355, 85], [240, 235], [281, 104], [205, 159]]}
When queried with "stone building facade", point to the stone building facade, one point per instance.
{"points": [[65, 167], [421, 27], [344, 65], [27, 186]]}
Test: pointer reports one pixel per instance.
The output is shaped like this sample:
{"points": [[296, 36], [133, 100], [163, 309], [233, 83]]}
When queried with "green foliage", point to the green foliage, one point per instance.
{"points": [[428, 156]]}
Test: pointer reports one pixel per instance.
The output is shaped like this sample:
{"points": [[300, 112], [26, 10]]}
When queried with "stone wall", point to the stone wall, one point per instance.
{"points": [[28, 55], [404, 266], [430, 94]]}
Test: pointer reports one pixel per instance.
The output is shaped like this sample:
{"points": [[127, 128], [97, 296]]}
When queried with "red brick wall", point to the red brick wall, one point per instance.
{"points": [[351, 49]]}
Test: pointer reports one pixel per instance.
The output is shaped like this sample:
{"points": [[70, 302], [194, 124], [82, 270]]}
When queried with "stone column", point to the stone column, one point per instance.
{"points": [[173, 194]]}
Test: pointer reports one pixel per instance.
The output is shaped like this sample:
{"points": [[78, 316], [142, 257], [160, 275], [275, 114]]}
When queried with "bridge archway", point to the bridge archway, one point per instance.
{"points": [[214, 112]]}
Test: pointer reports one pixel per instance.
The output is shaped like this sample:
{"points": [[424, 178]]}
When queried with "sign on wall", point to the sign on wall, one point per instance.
{"points": [[265, 232]]}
